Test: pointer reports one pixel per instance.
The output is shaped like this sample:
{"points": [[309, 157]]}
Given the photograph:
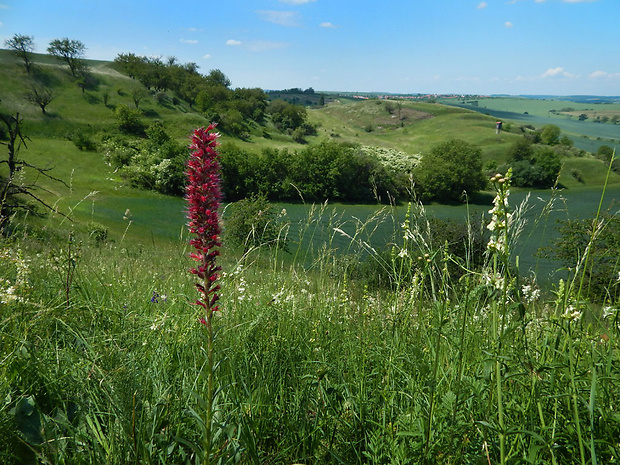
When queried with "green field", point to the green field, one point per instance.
{"points": [[586, 135]]}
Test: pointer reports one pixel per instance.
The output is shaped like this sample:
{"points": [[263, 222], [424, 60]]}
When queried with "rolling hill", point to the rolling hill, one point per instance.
{"points": [[97, 192]]}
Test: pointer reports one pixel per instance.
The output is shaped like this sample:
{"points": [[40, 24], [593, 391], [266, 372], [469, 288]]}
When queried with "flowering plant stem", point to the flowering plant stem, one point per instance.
{"points": [[203, 195], [499, 247]]}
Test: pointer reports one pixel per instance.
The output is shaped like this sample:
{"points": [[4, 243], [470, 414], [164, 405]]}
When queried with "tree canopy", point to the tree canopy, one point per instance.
{"points": [[70, 51], [448, 170], [23, 47]]}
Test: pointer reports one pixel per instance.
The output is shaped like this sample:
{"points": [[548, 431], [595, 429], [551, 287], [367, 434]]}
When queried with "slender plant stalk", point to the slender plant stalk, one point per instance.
{"points": [[571, 368], [203, 196], [596, 228], [499, 246]]}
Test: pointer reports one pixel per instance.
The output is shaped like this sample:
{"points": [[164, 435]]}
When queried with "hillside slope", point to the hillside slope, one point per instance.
{"points": [[98, 192]]}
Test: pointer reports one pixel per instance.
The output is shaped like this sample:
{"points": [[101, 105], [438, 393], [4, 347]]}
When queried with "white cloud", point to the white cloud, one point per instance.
{"points": [[557, 72], [508, 24], [482, 5], [283, 18], [599, 74], [603, 75], [328, 25], [1, 24], [195, 29], [189, 41], [206, 56], [297, 2], [551, 72], [579, 1], [233, 42]]}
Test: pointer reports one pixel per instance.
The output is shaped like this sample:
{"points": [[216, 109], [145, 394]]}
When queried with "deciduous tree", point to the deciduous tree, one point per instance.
{"points": [[12, 192], [40, 96], [449, 169], [23, 47], [70, 51], [550, 134]]}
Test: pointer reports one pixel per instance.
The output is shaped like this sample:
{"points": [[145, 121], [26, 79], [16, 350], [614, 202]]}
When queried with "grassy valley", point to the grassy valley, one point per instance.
{"points": [[345, 333]]}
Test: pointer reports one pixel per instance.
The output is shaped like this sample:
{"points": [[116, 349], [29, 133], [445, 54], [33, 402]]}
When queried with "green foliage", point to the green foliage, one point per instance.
{"points": [[97, 232], [84, 141], [464, 241], [329, 170], [312, 366], [71, 52], [211, 95], [156, 163], [286, 116], [129, 120], [550, 134], [605, 152], [254, 222], [601, 269], [450, 169], [533, 166], [521, 149], [22, 46], [550, 165]]}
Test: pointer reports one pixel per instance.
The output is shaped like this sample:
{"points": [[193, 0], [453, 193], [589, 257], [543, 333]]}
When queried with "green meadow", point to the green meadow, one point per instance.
{"points": [[372, 337]]}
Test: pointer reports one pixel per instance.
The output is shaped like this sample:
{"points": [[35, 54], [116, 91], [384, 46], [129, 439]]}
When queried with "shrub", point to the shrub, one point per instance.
{"points": [[550, 134], [83, 142], [521, 149], [253, 222], [577, 174], [97, 232], [299, 135], [602, 278], [464, 241], [449, 169], [117, 151], [129, 120]]}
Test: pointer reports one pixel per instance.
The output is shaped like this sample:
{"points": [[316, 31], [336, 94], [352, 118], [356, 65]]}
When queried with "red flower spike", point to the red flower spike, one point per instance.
{"points": [[203, 196]]}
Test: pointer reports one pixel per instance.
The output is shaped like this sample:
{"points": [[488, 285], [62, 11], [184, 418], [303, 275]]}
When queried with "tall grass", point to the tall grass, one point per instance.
{"points": [[444, 362]]}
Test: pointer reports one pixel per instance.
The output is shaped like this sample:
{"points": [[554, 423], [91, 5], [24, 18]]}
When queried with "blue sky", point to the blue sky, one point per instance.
{"points": [[557, 47]]}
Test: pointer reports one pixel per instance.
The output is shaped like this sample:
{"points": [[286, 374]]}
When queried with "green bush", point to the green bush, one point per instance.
{"points": [[129, 120], [465, 241], [450, 169], [602, 242], [254, 222], [329, 170], [83, 142]]}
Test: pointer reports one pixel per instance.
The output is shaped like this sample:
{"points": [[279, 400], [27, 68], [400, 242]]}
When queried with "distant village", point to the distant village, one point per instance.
{"points": [[418, 96]]}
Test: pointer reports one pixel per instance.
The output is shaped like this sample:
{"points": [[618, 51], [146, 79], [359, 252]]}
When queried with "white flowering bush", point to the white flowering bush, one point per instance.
{"points": [[396, 161]]}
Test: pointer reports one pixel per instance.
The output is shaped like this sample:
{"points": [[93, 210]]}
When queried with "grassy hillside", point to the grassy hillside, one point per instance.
{"points": [[588, 135], [98, 194]]}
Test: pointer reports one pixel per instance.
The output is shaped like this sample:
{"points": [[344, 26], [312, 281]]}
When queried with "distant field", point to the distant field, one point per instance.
{"points": [[586, 135]]}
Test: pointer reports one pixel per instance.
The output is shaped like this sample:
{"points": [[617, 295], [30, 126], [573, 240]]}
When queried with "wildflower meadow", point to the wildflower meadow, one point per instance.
{"points": [[113, 353]]}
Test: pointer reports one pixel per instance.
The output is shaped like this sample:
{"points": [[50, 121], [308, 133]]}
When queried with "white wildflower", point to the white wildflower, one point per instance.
{"points": [[609, 312], [530, 293]]}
